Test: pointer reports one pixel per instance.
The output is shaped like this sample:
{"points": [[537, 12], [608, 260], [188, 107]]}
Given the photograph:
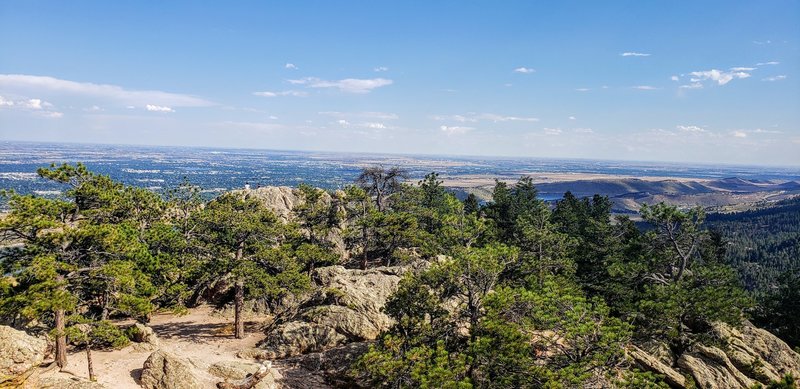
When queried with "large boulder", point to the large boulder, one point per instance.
{"points": [[20, 354], [163, 370], [347, 307]]}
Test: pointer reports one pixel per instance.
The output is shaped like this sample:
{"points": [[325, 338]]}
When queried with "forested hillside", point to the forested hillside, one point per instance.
{"points": [[507, 294], [763, 245]]}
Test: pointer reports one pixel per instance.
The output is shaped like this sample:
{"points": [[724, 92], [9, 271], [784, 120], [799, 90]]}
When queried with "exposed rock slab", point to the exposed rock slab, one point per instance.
{"points": [[20, 354], [648, 362], [758, 353], [239, 370], [712, 369]]}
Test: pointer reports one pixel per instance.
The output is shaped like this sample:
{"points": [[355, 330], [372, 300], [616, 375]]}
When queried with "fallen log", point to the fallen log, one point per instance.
{"points": [[250, 381]]}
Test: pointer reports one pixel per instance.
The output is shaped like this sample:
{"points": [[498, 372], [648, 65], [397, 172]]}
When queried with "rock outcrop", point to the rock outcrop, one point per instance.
{"points": [[281, 200], [747, 357], [163, 370], [347, 308], [650, 363], [327, 369], [20, 354]]}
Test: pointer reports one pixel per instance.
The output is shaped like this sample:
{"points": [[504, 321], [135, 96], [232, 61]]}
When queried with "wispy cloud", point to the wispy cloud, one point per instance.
{"points": [[690, 129], [739, 134], [381, 69], [634, 54], [46, 84], [553, 131], [694, 85], [742, 69], [472, 117], [294, 93], [361, 115], [455, 130], [674, 78], [158, 108], [719, 76], [766, 42], [349, 85], [290, 66], [775, 78], [644, 87], [582, 89], [768, 63], [524, 70]]}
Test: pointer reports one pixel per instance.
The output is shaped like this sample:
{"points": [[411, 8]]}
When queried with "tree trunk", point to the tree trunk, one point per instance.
{"points": [[238, 321], [61, 339], [238, 300], [89, 363]]}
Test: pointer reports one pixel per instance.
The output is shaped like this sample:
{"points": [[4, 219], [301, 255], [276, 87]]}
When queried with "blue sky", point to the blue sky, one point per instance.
{"points": [[709, 81]]}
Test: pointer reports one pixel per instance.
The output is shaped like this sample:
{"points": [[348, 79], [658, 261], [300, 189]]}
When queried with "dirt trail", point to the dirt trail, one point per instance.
{"points": [[199, 336]]}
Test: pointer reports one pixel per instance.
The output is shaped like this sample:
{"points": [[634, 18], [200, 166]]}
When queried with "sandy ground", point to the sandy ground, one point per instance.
{"points": [[199, 336]]}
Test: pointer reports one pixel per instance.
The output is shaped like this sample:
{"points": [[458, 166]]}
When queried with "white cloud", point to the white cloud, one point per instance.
{"points": [[31, 104], [634, 54], [5, 103], [768, 63], [691, 129], [582, 89], [361, 115], [93, 108], [52, 114], [158, 108], [644, 87], [766, 42], [572, 118], [290, 66], [472, 117], [721, 77], [583, 131], [350, 85], [739, 134], [294, 93], [553, 131], [343, 123], [524, 70], [674, 78], [742, 69], [374, 125], [775, 78], [45, 84], [694, 85], [381, 69], [454, 130]]}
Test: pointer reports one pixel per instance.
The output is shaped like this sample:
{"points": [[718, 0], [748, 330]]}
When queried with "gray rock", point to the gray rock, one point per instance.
{"points": [[20, 354], [347, 307], [163, 370]]}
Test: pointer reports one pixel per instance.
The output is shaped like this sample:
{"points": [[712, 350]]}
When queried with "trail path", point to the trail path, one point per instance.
{"points": [[198, 336]]}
